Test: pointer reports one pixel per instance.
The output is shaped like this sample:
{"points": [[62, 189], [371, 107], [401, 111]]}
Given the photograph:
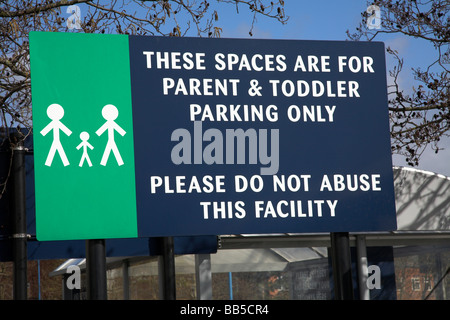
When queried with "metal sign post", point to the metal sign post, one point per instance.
{"points": [[96, 269], [167, 270], [342, 266], [19, 234]]}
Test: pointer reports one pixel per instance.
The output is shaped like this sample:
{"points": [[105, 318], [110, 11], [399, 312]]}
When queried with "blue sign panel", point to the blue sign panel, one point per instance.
{"points": [[237, 136]]}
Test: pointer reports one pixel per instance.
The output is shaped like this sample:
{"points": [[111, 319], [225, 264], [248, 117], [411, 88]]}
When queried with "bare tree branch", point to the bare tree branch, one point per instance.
{"points": [[420, 117]]}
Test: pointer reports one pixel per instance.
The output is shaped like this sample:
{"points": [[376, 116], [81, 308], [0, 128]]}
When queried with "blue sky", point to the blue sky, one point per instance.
{"points": [[329, 20]]}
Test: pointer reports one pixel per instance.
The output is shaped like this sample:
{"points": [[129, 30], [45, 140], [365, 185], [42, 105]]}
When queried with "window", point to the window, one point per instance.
{"points": [[428, 284], [415, 283]]}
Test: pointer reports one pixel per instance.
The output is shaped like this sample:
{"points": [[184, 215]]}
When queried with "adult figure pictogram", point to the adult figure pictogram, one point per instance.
{"points": [[55, 112], [110, 113]]}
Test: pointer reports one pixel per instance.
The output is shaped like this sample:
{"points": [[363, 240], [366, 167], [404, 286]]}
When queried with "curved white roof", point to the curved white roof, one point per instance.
{"points": [[422, 200]]}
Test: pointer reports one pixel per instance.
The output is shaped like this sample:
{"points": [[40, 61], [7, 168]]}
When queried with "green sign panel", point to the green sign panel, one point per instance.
{"points": [[83, 136]]}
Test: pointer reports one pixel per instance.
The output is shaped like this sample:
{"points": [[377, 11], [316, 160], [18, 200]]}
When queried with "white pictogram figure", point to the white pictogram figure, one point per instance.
{"points": [[110, 113], [55, 112], [84, 136]]}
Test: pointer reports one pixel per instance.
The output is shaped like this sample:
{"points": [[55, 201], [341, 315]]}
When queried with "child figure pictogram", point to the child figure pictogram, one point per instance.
{"points": [[110, 113], [84, 136], [55, 112]]}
